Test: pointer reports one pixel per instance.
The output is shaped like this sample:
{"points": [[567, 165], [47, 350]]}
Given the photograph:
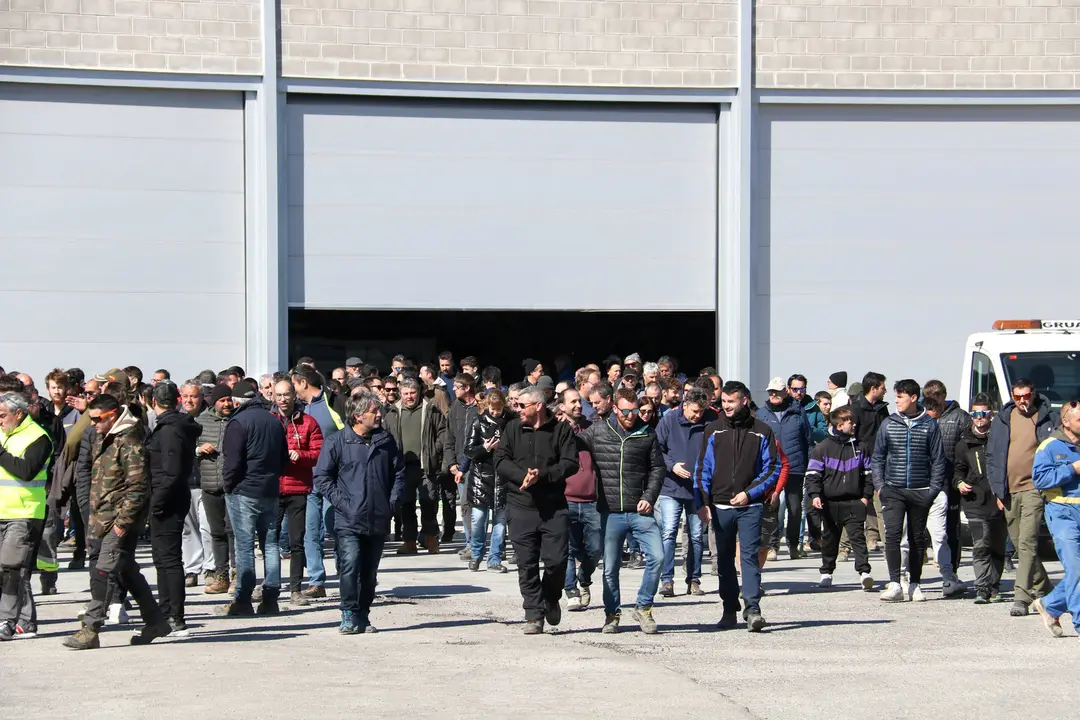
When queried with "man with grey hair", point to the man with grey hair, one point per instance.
{"points": [[25, 450], [361, 471], [255, 454], [196, 541], [650, 373], [266, 386]]}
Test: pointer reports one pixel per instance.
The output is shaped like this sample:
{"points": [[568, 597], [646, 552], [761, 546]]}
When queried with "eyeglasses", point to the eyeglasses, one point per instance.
{"points": [[981, 414], [628, 413], [1022, 396]]}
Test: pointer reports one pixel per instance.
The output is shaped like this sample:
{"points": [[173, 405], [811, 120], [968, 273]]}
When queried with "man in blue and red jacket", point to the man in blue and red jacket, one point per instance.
{"points": [[737, 468]]}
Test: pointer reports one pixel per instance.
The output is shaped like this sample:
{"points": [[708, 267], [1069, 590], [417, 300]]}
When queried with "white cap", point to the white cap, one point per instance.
{"points": [[776, 384]]}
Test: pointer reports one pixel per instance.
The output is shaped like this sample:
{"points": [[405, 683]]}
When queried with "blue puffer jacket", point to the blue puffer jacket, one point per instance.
{"points": [[997, 448], [908, 454], [793, 431], [364, 482]]}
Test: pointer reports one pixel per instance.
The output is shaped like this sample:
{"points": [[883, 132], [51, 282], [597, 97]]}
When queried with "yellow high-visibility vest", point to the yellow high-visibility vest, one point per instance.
{"points": [[22, 499]]}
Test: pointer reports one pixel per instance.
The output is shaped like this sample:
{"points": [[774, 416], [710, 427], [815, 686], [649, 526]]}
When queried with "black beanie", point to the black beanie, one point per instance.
{"points": [[529, 364], [221, 390], [839, 379]]}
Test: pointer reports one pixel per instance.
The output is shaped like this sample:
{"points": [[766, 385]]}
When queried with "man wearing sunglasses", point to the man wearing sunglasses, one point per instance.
{"points": [[1015, 434]]}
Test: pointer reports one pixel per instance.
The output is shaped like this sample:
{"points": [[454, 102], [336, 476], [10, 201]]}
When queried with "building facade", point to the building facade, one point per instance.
{"points": [[853, 185]]}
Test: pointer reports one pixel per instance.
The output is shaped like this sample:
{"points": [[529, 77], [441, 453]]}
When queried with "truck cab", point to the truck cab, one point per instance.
{"points": [[1047, 352]]}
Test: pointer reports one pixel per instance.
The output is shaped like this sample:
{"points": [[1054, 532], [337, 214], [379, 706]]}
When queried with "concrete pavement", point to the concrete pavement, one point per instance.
{"points": [[451, 646]]}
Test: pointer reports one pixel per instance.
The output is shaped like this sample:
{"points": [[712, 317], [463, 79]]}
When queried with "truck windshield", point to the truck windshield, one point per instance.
{"points": [[1055, 374]]}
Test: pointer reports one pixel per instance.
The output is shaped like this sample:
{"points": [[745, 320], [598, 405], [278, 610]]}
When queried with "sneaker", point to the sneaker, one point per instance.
{"points": [[1019, 609], [7, 631], [474, 565], [915, 593], [872, 547], [499, 568], [645, 620], [348, 624], [370, 629], [25, 632], [48, 587], [794, 553], [997, 597], [118, 615], [637, 562], [237, 609], [297, 598], [905, 581], [1010, 566], [953, 588], [667, 590], [534, 627], [554, 613], [982, 596], [867, 582], [465, 554], [573, 603], [842, 556], [84, 639], [179, 628], [825, 581], [611, 624], [586, 597], [1051, 622], [152, 632], [77, 563], [729, 621], [314, 592], [191, 580], [771, 555], [754, 621], [407, 548], [216, 585], [257, 593], [695, 588], [269, 606], [893, 592]]}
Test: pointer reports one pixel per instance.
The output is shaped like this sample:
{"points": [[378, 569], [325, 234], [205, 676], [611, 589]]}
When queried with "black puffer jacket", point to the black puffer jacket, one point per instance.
{"points": [[629, 465], [868, 419], [550, 449], [208, 469], [954, 422], [908, 454], [969, 467], [486, 489], [171, 447]]}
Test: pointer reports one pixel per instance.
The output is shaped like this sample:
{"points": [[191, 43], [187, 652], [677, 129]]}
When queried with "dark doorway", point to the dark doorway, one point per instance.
{"points": [[501, 338]]}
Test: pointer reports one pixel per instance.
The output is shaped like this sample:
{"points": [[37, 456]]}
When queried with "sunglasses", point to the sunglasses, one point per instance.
{"points": [[1022, 396], [628, 413], [981, 414], [102, 417], [797, 391]]}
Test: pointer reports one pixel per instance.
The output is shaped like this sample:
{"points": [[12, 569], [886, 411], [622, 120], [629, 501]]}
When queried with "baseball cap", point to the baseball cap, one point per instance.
{"points": [[244, 389], [776, 384], [354, 362], [632, 358], [114, 375], [545, 383]]}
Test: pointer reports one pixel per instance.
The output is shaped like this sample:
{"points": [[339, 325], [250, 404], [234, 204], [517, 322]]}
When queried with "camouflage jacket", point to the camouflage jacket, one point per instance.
{"points": [[120, 478]]}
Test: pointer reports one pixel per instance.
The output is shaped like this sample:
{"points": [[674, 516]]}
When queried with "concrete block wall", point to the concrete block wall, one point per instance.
{"points": [[557, 42], [918, 44], [193, 36]]}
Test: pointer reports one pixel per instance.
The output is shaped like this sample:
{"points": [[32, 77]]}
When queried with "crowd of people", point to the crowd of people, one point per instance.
{"points": [[614, 465]]}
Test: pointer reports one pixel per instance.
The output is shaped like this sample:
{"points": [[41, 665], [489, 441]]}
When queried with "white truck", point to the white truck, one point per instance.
{"points": [[1047, 352]]}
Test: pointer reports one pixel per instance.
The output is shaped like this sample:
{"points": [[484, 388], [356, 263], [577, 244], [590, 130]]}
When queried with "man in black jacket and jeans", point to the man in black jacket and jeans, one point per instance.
{"points": [[535, 456], [171, 448], [870, 410]]}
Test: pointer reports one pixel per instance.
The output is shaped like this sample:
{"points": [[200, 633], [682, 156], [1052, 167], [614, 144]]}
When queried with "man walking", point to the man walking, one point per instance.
{"points": [[586, 543], [869, 412], [460, 418], [943, 523], [255, 455], [630, 471], [909, 471], [361, 472], [1015, 434], [535, 456], [788, 422]]}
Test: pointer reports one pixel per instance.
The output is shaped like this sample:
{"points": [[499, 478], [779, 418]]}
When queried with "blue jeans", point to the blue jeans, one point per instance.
{"points": [[586, 546], [1064, 523], [642, 528], [360, 556], [741, 524], [253, 518], [670, 514], [478, 534], [320, 520]]}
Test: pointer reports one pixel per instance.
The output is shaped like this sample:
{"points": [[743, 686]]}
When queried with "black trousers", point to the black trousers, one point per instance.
{"points": [[952, 530], [896, 505], [449, 493], [166, 541], [221, 534], [115, 567], [419, 487], [793, 495], [988, 536], [835, 517], [539, 536], [75, 518], [294, 509]]}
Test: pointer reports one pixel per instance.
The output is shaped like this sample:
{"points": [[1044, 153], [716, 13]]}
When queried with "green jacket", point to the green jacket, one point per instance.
{"points": [[120, 478]]}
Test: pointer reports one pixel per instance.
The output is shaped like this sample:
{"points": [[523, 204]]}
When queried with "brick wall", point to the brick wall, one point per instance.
{"points": [[916, 44], [152, 35], [565, 42]]}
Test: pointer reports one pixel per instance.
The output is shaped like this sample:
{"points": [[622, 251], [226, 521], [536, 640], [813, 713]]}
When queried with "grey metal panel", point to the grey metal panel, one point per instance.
{"points": [[124, 212], [888, 234], [392, 200]]}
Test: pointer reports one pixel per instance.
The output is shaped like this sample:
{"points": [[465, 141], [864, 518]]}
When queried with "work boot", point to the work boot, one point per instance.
{"points": [[645, 620], [1019, 608], [611, 624], [695, 588], [237, 608], [534, 627], [431, 544], [179, 628], [314, 592], [465, 554], [217, 585], [586, 596], [232, 581], [191, 580], [78, 562], [754, 621], [84, 639], [407, 548], [152, 632], [269, 606], [728, 622], [667, 590], [474, 565], [297, 598], [554, 613], [48, 584]]}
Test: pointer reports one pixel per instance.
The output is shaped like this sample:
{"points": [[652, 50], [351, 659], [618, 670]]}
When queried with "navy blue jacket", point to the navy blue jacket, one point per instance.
{"points": [[908, 454], [997, 447], [680, 442], [254, 452], [364, 482], [793, 431]]}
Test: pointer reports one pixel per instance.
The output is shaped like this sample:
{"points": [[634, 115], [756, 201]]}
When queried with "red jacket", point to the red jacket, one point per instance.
{"points": [[304, 436]]}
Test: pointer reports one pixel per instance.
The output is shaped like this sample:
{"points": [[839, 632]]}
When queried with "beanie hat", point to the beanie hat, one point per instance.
{"points": [[529, 364], [839, 379], [221, 390]]}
